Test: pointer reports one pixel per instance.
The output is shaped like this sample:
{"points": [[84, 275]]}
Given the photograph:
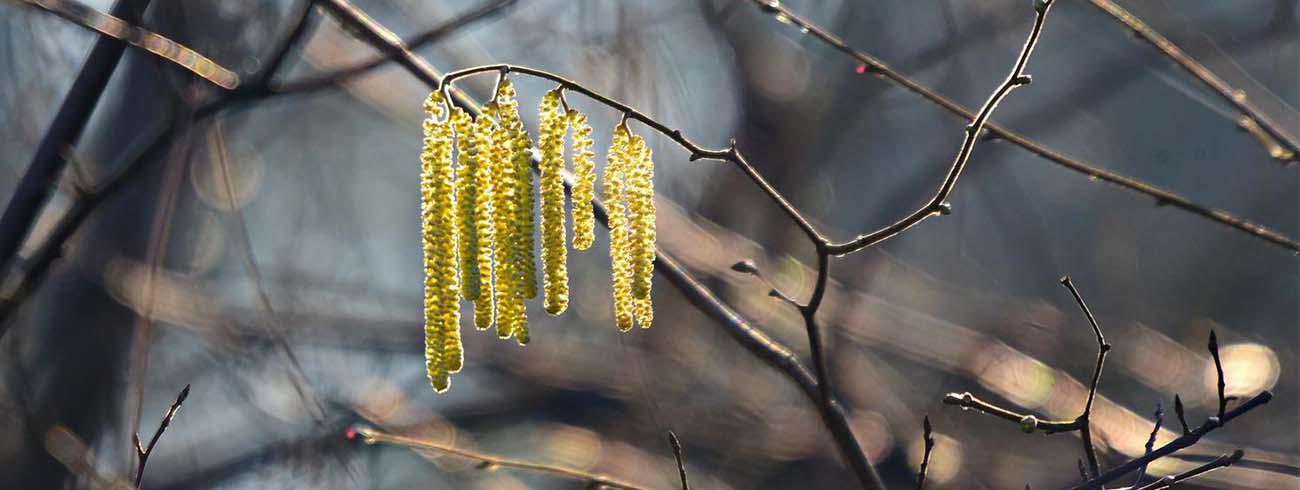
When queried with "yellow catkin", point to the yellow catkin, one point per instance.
{"points": [[521, 157], [641, 215], [481, 146], [584, 185], [467, 202], [555, 275], [509, 304], [438, 222], [615, 197]]}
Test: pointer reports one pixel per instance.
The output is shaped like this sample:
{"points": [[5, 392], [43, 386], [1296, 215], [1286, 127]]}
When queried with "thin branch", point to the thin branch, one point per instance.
{"points": [[747, 267], [681, 459], [1151, 441], [338, 76], [1218, 367], [1220, 462], [144, 452], [139, 37], [1279, 144], [1182, 417], [1085, 427], [488, 461], [968, 401], [1161, 196], [1182, 442], [925, 459]]}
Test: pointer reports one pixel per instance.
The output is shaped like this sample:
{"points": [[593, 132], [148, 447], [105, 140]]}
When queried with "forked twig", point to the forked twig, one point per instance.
{"points": [[143, 452]]}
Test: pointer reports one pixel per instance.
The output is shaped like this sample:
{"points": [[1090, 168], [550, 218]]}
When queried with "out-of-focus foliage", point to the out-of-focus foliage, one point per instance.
{"points": [[271, 257]]}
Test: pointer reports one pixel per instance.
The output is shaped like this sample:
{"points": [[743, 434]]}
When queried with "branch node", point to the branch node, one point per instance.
{"points": [[1022, 80]]}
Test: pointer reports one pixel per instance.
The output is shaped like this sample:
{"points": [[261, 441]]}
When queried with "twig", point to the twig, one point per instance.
{"points": [[1178, 409], [1220, 462], [1280, 145], [925, 459], [681, 459], [335, 77], [1161, 196], [1151, 441], [1085, 427], [144, 452], [1218, 367], [747, 267], [489, 461]]}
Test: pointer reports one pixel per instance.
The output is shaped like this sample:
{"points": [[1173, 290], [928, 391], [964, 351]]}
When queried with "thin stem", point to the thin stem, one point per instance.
{"points": [[969, 401], [144, 452], [681, 459], [936, 205], [925, 460], [1085, 427], [1218, 368], [1161, 196], [1278, 142], [1151, 441], [1220, 462], [371, 436]]}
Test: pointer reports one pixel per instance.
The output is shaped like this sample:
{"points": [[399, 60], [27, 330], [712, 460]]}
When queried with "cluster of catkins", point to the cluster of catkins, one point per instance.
{"points": [[477, 195]]}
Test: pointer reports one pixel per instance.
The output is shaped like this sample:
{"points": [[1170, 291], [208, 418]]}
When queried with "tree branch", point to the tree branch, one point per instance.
{"points": [[1161, 196], [144, 452], [487, 461], [1277, 142]]}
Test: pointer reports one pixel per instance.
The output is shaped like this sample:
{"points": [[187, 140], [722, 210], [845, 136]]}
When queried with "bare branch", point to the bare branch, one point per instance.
{"points": [[1161, 196], [490, 461], [144, 452], [1276, 141], [1220, 462], [681, 459], [925, 459], [1085, 427]]}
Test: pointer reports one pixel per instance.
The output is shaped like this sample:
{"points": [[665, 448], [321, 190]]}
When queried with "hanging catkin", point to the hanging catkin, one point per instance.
{"points": [[481, 158], [584, 185], [641, 216], [616, 198], [477, 219], [509, 305], [438, 225], [550, 142]]}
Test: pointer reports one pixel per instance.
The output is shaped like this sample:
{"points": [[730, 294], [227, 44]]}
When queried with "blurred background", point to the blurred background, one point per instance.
{"points": [[268, 253]]}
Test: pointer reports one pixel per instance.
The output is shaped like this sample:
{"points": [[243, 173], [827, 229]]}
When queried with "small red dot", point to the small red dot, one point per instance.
{"points": [[350, 434], [861, 69]]}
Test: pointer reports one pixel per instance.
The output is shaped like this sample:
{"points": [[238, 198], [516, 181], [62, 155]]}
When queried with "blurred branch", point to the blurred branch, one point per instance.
{"points": [[338, 76], [47, 164], [1280, 145], [491, 461], [1161, 196], [144, 452], [139, 37]]}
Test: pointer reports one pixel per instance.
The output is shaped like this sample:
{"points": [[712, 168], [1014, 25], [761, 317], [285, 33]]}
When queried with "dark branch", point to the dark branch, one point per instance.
{"points": [[1171, 480], [144, 452], [681, 459], [925, 459], [1085, 427]]}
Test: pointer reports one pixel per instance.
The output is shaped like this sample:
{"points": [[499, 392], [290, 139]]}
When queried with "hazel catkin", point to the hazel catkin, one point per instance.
{"points": [[584, 181], [438, 225], [550, 142]]}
